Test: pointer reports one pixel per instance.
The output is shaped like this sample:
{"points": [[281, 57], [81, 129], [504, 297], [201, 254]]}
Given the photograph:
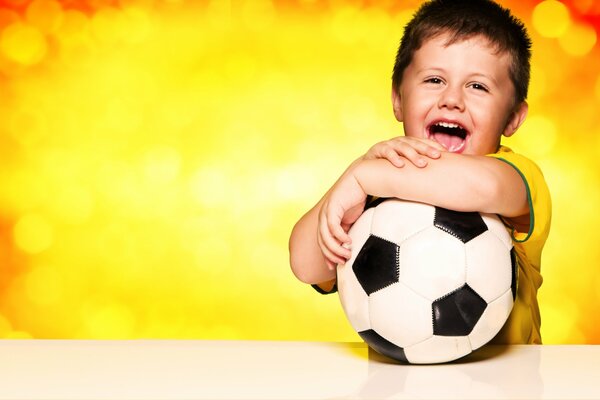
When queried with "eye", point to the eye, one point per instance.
{"points": [[479, 86], [434, 79]]}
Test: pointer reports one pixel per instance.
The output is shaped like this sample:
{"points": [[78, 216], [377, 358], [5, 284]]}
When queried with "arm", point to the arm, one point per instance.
{"points": [[306, 258], [454, 181], [310, 257], [457, 182]]}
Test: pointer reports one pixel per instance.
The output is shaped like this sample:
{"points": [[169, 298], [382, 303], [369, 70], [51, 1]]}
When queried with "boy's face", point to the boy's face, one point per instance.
{"points": [[459, 95]]}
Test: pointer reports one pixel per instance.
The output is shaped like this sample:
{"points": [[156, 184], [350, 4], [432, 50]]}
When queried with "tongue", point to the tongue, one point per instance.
{"points": [[450, 142]]}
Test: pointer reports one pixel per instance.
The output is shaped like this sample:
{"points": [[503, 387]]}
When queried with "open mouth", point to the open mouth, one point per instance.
{"points": [[449, 134]]}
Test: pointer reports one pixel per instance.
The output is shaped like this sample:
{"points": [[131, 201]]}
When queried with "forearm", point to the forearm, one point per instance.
{"points": [[306, 258], [458, 182]]}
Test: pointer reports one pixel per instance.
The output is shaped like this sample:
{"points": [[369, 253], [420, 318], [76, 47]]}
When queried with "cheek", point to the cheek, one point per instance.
{"points": [[417, 107], [487, 115]]}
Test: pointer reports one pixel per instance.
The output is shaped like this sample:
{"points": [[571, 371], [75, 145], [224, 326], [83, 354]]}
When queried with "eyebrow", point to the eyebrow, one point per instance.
{"points": [[491, 78]]}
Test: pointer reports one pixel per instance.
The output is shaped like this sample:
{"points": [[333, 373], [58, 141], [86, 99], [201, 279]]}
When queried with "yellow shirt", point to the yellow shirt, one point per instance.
{"points": [[523, 325]]}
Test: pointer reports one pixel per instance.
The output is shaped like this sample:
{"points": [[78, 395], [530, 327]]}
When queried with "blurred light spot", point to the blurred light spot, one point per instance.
{"points": [[179, 111], [218, 13], [377, 25], [16, 3], [162, 165], [557, 317], [212, 251], [74, 26], [23, 44], [343, 25], [107, 25], [77, 53], [403, 17], [138, 24], [116, 246], [583, 6], [33, 233], [112, 321], [8, 17], [597, 88], [27, 126], [11, 69], [578, 40], [551, 18], [537, 86], [199, 236], [123, 115], [5, 326], [74, 23], [46, 15], [43, 286], [210, 187], [258, 14], [291, 182], [73, 204], [358, 114], [539, 134], [241, 69]]}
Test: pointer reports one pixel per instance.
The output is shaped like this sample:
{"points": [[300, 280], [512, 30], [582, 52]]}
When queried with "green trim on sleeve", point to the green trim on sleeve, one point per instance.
{"points": [[529, 201]]}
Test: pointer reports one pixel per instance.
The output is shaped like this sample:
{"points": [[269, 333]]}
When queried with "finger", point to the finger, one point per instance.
{"points": [[330, 242], [375, 151], [330, 256], [339, 233], [392, 156], [427, 147], [336, 249], [331, 265], [435, 151], [411, 154], [433, 144]]}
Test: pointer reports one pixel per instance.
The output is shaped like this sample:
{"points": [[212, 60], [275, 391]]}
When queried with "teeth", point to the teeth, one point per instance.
{"points": [[448, 125]]}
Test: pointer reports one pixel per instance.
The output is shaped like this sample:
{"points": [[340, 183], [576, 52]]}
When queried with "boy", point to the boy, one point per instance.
{"points": [[459, 83]]}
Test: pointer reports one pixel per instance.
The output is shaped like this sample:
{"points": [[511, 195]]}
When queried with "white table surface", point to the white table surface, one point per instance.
{"points": [[195, 369]]}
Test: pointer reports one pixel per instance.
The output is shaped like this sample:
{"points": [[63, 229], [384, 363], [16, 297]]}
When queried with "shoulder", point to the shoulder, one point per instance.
{"points": [[525, 166], [538, 194]]}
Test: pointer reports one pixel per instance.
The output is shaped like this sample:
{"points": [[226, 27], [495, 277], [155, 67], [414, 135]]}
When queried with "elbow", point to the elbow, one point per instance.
{"points": [[301, 277], [300, 273], [298, 262], [308, 269]]}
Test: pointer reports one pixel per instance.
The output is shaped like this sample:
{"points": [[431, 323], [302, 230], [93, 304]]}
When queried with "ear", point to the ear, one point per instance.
{"points": [[397, 103], [516, 119]]}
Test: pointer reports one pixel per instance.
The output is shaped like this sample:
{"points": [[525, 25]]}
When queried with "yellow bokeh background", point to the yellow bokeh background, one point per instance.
{"points": [[156, 154]]}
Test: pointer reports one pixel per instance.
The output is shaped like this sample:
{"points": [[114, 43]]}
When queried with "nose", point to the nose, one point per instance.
{"points": [[452, 98]]}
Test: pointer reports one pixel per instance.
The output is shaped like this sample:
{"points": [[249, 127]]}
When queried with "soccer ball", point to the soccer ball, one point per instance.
{"points": [[426, 284]]}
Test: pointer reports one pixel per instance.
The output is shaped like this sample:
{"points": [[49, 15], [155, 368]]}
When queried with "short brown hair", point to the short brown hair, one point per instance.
{"points": [[463, 19]]}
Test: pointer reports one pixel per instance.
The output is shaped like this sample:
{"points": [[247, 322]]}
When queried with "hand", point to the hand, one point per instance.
{"points": [[341, 208], [402, 148]]}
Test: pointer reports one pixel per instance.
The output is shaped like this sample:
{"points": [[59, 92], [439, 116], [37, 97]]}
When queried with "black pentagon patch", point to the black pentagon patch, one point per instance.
{"points": [[383, 346], [376, 265], [463, 225], [515, 273], [457, 313]]}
